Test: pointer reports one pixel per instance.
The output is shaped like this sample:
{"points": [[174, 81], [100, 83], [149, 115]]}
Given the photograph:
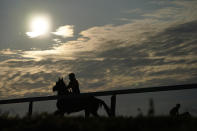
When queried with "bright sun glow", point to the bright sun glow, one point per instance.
{"points": [[39, 26]]}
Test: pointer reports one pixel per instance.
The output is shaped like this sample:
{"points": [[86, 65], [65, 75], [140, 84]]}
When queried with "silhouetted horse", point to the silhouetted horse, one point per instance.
{"points": [[75, 103]]}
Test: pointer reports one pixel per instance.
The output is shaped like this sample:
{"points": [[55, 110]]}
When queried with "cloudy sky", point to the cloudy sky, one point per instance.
{"points": [[108, 44]]}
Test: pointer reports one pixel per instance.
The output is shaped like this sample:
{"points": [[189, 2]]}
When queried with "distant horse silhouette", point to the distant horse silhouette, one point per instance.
{"points": [[75, 103]]}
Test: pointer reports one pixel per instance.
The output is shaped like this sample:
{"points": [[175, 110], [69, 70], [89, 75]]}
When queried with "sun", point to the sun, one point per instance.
{"points": [[39, 26]]}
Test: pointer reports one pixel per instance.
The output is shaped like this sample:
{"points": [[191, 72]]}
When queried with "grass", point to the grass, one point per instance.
{"points": [[46, 121]]}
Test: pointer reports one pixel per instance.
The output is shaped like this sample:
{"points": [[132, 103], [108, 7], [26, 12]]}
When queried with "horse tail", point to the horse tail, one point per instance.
{"points": [[107, 109]]}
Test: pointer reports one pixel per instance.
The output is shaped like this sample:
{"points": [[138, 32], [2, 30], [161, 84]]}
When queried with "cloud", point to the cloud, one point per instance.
{"points": [[22, 77], [33, 34], [133, 11], [65, 31], [178, 10], [144, 52], [10, 52]]}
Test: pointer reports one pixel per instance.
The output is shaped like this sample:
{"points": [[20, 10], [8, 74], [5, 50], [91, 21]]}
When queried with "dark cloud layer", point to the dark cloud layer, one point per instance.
{"points": [[168, 57]]}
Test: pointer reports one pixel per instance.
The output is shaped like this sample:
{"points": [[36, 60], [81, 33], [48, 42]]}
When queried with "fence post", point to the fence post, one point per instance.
{"points": [[30, 108], [113, 105]]}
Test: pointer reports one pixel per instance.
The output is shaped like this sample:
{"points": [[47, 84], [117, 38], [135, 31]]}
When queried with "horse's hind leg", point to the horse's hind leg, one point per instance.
{"points": [[95, 113], [87, 113]]}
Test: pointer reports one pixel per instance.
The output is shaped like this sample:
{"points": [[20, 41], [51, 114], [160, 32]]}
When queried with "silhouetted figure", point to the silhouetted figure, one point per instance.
{"points": [[73, 84], [89, 104], [151, 110], [175, 110]]}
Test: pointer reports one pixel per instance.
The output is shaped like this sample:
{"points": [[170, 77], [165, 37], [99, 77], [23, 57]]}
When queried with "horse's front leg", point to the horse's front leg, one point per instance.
{"points": [[58, 112], [87, 113]]}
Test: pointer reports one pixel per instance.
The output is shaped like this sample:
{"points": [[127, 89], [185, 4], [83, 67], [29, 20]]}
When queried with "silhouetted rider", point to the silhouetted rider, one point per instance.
{"points": [[73, 84], [175, 110]]}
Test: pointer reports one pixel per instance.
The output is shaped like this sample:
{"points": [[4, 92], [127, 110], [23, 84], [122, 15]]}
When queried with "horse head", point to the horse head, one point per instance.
{"points": [[60, 87]]}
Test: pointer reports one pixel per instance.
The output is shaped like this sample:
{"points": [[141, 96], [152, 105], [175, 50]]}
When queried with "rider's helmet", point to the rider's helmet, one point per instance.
{"points": [[178, 105], [71, 76]]}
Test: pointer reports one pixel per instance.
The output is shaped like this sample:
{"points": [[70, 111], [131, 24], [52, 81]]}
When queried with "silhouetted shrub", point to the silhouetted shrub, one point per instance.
{"points": [[46, 121]]}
